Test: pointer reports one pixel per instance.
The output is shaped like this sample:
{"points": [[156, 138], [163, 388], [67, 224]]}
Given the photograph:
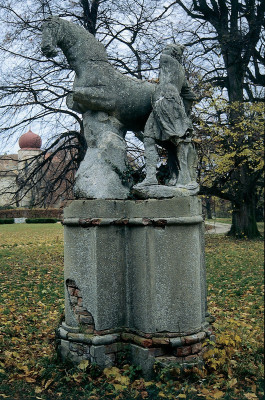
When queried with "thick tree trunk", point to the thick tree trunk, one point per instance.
{"points": [[244, 223], [208, 204]]}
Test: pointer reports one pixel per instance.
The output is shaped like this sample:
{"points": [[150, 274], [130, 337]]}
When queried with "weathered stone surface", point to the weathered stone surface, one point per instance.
{"points": [[145, 191], [177, 342], [148, 278], [195, 338], [143, 358], [105, 339], [62, 333], [69, 328], [155, 258]]}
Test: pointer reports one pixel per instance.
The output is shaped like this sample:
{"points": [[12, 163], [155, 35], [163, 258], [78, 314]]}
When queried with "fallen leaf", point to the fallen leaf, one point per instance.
{"points": [[83, 365]]}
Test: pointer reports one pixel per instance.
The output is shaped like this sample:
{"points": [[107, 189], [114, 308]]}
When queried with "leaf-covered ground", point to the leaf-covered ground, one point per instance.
{"points": [[31, 292]]}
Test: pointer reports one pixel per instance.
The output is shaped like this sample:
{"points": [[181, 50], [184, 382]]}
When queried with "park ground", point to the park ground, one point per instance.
{"points": [[32, 303]]}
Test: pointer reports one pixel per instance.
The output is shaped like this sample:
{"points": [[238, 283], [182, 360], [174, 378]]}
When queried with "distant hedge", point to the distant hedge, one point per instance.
{"points": [[7, 220], [41, 220], [56, 213]]}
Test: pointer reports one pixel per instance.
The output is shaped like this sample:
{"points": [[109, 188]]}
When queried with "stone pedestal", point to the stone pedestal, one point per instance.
{"points": [[134, 282]]}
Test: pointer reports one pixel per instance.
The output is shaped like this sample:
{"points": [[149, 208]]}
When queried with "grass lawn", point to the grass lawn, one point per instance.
{"points": [[31, 291]]}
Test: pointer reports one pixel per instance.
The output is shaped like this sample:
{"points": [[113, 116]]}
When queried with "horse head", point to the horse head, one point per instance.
{"points": [[50, 35]]}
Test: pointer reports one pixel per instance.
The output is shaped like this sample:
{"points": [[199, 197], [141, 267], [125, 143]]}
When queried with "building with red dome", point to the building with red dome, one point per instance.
{"points": [[14, 169]]}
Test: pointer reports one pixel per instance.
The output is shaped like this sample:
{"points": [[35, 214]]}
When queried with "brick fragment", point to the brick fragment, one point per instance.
{"points": [[80, 301], [79, 309], [209, 331], [142, 341], [183, 351], [77, 293], [71, 290], [127, 337], [88, 328], [191, 358], [195, 348], [156, 351], [85, 319], [160, 341], [73, 300]]}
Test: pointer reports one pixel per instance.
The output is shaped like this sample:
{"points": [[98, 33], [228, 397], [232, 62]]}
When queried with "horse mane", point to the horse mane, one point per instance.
{"points": [[80, 35]]}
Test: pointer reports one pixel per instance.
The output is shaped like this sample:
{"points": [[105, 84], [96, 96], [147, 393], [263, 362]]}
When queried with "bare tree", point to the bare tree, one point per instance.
{"points": [[229, 38], [33, 89]]}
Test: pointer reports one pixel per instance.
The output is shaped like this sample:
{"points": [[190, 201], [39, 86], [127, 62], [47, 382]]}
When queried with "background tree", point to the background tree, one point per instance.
{"points": [[229, 40]]}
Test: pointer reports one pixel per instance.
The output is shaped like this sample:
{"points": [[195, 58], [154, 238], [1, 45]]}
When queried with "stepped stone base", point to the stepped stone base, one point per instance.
{"points": [[134, 282], [108, 349]]}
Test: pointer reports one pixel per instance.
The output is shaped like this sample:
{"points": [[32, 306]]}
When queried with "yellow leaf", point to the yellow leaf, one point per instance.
{"points": [[30, 380], [124, 380], [181, 396], [218, 394], [118, 386], [48, 383], [38, 389], [232, 382], [161, 394], [146, 384], [83, 365], [250, 396], [112, 372]]}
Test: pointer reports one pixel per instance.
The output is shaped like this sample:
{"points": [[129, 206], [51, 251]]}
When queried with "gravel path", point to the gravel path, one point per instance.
{"points": [[218, 228]]}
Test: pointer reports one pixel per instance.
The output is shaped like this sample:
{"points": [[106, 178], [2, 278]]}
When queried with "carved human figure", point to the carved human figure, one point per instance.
{"points": [[169, 123]]}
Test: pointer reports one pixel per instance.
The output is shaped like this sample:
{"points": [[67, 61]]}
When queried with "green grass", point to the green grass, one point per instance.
{"points": [[32, 298]]}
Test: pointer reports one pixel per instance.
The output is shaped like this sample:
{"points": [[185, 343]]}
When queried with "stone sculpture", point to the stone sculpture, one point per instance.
{"points": [[169, 125], [112, 103], [134, 271]]}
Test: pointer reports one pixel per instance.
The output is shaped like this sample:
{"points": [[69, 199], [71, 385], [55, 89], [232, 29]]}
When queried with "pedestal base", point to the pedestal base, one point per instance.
{"points": [[134, 282], [108, 349]]}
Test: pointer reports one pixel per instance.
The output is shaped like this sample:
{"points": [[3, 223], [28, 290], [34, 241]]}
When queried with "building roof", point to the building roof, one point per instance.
{"points": [[30, 141]]}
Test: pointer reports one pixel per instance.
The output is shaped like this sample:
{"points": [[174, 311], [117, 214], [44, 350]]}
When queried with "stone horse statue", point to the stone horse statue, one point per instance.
{"points": [[110, 102], [98, 85]]}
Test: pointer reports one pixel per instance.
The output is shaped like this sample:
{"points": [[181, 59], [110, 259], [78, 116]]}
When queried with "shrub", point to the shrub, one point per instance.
{"points": [[41, 220], [7, 220]]}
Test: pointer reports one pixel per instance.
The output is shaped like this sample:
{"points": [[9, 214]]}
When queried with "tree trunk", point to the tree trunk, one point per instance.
{"points": [[208, 205], [244, 223]]}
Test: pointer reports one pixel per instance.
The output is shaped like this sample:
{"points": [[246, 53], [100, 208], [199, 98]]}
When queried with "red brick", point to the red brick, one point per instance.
{"points": [[183, 351], [85, 319], [80, 301], [143, 341], [77, 293], [195, 348], [160, 341], [192, 358], [88, 328], [71, 290]]}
